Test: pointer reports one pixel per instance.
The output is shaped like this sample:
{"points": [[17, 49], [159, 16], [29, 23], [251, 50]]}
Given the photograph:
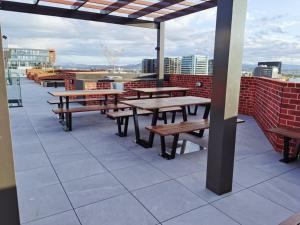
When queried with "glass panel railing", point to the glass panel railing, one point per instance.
{"points": [[14, 93]]}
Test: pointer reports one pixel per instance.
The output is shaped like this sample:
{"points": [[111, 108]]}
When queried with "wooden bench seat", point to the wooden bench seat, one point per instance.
{"points": [[288, 133], [177, 129], [68, 112], [120, 116]]}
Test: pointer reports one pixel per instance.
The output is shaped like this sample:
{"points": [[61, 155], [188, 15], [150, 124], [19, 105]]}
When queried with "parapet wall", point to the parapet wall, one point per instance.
{"points": [[271, 102]]}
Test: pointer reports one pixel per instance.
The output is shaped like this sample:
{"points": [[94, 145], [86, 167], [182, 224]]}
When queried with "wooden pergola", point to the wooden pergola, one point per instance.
{"points": [[151, 14]]}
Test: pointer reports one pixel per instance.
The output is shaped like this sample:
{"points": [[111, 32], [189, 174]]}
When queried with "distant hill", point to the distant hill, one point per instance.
{"points": [[99, 67], [286, 68]]}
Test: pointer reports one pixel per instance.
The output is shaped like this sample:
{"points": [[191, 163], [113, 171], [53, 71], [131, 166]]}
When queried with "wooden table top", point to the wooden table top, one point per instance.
{"points": [[86, 92], [158, 103], [160, 89]]}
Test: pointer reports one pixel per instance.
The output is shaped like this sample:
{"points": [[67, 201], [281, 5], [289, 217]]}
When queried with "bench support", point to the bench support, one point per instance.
{"points": [[164, 152], [200, 133], [195, 110], [120, 123], [286, 151], [173, 117]]}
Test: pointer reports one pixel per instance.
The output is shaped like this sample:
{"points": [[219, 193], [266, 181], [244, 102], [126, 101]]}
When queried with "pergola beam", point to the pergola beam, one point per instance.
{"points": [[189, 10], [153, 8], [69, 13]]}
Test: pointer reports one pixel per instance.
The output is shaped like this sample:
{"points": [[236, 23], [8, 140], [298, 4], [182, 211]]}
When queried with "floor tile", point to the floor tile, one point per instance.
{"points": [[105, 147], [139, 176], [120, 160], [66, 157], [205, 215], [34, 179], [196, 182], [78, 169], [66, 218], [281, 192], [249, 208], [30, 161], [168, 199], [269, 163], [122, 209], [45, 201], [292, 176], [247, 175], [177, 167], [93, 189]]}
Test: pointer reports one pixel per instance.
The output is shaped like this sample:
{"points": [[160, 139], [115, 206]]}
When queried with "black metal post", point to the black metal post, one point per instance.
{"points": [[228, 55], [160, 53]]}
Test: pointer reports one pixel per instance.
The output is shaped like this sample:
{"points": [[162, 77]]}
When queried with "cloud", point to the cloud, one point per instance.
{"points": [[270, 35]]}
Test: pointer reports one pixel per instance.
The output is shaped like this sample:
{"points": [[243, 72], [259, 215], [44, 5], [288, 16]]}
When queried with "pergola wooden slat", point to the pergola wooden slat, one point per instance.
{"points": [[130, 9]]}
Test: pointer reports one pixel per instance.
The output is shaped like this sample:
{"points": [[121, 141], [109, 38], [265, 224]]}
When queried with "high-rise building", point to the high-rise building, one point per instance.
{"points": [[265, 71], [194, 64], [272, 64], [211, 67], [20, 59], [149, 66], [172, 65]]}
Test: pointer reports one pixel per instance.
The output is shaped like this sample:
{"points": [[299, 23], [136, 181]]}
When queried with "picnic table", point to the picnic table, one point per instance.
{"points": [[78, 93], [154, 92], [155, 104], [66, 113]]}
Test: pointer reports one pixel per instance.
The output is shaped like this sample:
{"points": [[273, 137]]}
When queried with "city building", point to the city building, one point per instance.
{"points": [[266, 71], [211, 67], [194, 64], [149, 65], [20, 59], [271, 64], [172, 65]]}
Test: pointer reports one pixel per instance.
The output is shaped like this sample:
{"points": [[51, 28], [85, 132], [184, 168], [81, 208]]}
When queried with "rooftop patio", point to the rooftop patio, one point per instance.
{"points": [[90, 176]]}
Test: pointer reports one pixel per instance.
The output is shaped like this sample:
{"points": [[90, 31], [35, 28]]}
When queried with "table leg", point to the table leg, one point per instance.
{"points": [[67, 102], [205, 116], [138, 139], [138, 95], [184, 114], [151, 95], [60, 106], [105, 103], [206, 112], [116, 101], [154, 122]]}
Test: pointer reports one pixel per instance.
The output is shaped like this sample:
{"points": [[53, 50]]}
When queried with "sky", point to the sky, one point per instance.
{"points": [[272, 33]]}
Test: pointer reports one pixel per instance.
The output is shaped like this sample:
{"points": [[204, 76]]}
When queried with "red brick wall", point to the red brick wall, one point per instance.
{"points": [[190, 82], [247, 95], [272, 103]]}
